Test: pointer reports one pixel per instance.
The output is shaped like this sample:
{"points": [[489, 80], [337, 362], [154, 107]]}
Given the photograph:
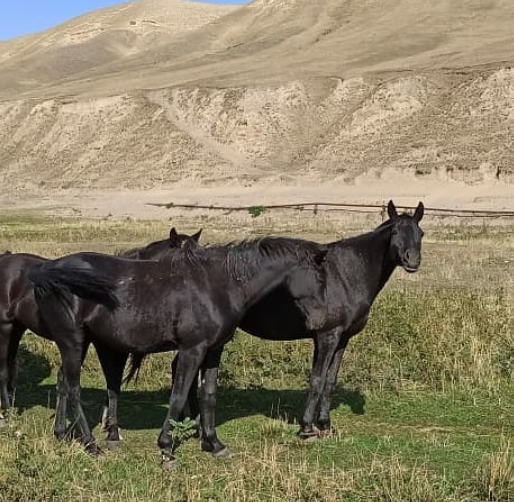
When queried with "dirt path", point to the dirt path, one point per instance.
{"points": [[137, 203]]}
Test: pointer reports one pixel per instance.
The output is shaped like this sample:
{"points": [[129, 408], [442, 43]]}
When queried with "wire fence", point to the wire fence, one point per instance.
{"points": [[315, 207]]}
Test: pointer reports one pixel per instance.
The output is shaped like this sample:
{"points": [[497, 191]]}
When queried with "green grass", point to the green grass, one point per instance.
{"points": [[424, 408], [393, 442]]}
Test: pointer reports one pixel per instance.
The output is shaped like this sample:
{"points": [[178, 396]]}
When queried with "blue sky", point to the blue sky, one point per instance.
{"points": [[21, 17]]}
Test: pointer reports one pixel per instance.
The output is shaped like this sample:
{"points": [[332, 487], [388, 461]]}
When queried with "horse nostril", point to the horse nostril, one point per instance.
{"points": [[407, 255]]}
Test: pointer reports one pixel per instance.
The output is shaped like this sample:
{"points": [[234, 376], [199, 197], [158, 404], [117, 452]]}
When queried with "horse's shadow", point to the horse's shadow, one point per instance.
{"points": [[139, 410], [33, 369], [146, 409]]}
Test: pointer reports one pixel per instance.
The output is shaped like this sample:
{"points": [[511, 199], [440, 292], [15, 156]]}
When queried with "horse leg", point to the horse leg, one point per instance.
{"points": [[5, 338], [12, 360], [192, 398], [324, 349], [61, 407], [210, 441], [188, 364], [71, 348], [323, 419], [60, 419], [9, 334], [113, 365]]}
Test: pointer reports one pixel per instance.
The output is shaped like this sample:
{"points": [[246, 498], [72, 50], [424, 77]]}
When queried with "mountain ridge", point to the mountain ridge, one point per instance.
{"points": [[272, 92]]}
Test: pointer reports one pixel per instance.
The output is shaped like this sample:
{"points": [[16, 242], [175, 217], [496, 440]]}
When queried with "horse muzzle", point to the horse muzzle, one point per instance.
{"points": [[411, 261]]}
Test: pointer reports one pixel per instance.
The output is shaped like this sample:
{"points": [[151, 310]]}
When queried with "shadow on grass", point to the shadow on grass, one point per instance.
{"points": [[139, 410], [33, 369]]}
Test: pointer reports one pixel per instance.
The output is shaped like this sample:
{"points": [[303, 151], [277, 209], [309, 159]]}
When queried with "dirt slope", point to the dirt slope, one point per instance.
{"points": [[166, 93], [98, 40]]}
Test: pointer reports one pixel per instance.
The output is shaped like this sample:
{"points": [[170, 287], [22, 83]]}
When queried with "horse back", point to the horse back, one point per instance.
{"points": [[161, 305]]}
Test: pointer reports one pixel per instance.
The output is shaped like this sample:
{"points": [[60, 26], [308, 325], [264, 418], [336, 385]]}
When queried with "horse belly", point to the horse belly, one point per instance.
{"points": [[272, 325], [130, 331]]}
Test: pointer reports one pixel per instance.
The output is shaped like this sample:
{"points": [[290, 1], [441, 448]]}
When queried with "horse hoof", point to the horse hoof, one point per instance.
{"points": [[3, 422], [112, 445], [223, 454], [169, 464], [309, 437], [93, 449]]}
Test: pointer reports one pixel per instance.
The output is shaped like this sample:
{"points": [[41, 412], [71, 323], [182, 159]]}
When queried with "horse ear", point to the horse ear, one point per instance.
{"points": [[320, 257], [196, 236], [391, 210], [418, 214], [173, 235]]}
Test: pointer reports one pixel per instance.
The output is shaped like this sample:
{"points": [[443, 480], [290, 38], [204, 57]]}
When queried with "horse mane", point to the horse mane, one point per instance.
{"points": [[403, 216], [385, 225], [135, 252], [241, 259]]}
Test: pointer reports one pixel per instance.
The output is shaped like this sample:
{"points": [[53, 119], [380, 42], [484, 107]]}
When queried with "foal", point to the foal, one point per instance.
{"points": [[191, 302]]}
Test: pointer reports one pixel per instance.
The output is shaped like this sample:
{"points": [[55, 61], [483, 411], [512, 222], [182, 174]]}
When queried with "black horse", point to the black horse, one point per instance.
{"points": [[357, 270], [19, 312], [159, 249], [191, 302]]}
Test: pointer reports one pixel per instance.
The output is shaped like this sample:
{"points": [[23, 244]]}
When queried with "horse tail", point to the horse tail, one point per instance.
{"points": [[60, 283], [136, 360]]}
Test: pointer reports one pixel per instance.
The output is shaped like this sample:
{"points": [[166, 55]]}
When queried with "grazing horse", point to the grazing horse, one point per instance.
{"points": [[190, 302], [357, 270], [18, 311]]}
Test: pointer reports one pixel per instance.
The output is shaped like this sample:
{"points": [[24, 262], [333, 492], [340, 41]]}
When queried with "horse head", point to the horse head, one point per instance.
{"points": [[406, 235]]}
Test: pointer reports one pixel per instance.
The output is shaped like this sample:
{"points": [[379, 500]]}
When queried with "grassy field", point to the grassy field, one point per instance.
{"points": [[424, 408]]}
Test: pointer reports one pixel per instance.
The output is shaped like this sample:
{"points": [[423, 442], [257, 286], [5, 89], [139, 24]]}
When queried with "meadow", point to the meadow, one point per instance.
{"points": [[424, 408]]}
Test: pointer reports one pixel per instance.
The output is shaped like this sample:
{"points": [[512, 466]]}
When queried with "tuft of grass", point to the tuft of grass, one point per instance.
{"points": [[495, 477], [392, 481]]}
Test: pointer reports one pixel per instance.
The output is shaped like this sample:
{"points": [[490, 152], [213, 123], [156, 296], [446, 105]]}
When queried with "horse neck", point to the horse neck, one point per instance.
{"points": [[259, 282], [372, 250], [381, 263], [155, 251]]}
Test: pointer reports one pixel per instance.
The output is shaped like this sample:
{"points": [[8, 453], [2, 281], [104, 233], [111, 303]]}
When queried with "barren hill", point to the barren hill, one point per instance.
{"points": [[166, 93], [98, 40]]}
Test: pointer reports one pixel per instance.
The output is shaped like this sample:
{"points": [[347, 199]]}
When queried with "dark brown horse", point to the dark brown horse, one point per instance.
{"points": [[19, 312]]}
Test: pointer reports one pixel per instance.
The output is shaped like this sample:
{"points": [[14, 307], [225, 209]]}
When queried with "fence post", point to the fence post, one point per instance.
{"points": [[383, 212]]}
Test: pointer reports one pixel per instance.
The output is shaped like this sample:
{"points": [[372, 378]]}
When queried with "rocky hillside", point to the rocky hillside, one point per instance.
{"points": [[156, 93]]}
